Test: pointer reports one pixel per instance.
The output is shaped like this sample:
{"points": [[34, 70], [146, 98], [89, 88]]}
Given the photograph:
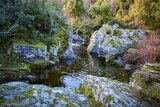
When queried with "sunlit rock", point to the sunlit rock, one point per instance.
{"points": [[112, 93], [110, 41]]}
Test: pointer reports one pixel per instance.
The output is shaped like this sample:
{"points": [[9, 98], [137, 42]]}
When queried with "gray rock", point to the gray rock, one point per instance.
{"points": [[31, 52], [69, 54], [22, 94], [79, 40], [112, 93], [110, 41], [128, 67]]}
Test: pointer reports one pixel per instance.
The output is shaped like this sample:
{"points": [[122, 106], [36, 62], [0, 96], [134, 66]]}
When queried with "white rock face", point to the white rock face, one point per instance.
{"points": [[109, 41], [113, 93], [21, 94]]}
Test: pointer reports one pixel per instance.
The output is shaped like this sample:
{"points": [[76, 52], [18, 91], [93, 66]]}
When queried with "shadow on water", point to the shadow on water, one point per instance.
{"points": [[84, 62]]}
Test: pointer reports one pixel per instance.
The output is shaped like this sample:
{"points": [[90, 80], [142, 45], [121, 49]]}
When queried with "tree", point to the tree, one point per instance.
{"points": [[26, 19], [74, 9], [101, 12], [146, 12]]}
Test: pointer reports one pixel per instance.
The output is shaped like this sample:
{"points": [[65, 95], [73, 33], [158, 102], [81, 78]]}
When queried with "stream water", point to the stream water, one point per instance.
{"points": [[84, 63]]}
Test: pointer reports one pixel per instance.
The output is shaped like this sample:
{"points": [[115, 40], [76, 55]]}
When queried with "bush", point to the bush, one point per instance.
{"points": [[148, 52], [101, 14], [27, 19], [86, 27], [146, 12]]}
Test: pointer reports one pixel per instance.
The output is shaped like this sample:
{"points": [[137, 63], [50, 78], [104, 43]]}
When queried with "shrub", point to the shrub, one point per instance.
{"points": [[101, 13], [27, 19], [146, 12], [148, 52]]}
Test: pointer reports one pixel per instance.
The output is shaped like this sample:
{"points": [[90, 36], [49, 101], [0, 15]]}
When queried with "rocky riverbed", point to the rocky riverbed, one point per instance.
{"points": [[80, 78]]}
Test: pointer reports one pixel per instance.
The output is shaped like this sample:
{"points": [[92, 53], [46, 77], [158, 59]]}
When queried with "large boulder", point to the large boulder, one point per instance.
{"points": [[110, 41], [147, 80], [111, 93], [21, 94]]}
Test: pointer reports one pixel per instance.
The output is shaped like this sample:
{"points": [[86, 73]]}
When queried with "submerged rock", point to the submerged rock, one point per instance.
{"points": [[147, 80], [21, 94], [112, 93], [110, 41]]}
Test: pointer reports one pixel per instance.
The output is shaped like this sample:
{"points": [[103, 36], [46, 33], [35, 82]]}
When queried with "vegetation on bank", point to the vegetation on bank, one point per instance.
{"points": [[148, 51], [32, 21], [87, 16]]}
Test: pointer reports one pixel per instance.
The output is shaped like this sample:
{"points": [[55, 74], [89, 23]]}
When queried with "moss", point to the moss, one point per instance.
{"points": [[130, 37], [17, 98], [2, 100], [117, 33], [6, 87], [30, 93], [148, 89], [39, 64], [115, 81], [33, 46], [88, 92], [112, 43], [131, 30], [71, 105], [24, 68], [39, 91], [108, 30], [156, 94], [110, 98], [62, 97], [152, 67]]}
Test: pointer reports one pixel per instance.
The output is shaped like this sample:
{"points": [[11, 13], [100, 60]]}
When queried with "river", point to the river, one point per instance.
{"points": [[84, 63]]}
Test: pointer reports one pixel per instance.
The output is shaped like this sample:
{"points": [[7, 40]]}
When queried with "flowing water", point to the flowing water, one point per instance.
{"points": [[84, 63]]}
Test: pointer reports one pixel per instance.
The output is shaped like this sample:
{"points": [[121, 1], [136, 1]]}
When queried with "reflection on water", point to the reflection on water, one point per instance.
{"points": [[84, 62]]}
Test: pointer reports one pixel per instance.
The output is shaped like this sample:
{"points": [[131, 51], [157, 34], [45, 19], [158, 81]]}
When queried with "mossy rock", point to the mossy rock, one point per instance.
{"points": [[24, 95], [17, 68], [147, 80], [34, 46], [11, 73], [39, 64]]}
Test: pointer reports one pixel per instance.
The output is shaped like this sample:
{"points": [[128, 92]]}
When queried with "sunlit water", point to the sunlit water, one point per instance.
{"points": [[83, 64]]}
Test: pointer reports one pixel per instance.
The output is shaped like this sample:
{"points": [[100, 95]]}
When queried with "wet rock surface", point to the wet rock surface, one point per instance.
{"points": [[21, 94]]}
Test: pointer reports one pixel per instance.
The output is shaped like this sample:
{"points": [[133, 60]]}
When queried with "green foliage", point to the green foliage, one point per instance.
{"points": [[98, 13], [73, 7], [146, 12], [27, 19], [85, 27], [87, 91], [101, 12]]}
